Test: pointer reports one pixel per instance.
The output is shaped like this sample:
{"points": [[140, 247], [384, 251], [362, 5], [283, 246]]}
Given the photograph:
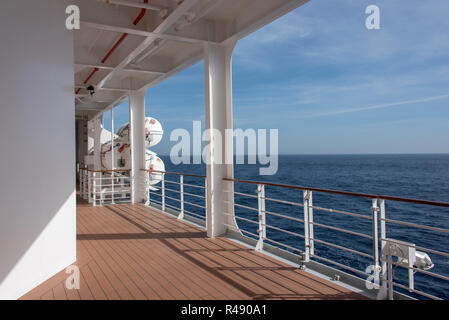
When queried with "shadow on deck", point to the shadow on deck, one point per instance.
{"points": [[134, 252]]}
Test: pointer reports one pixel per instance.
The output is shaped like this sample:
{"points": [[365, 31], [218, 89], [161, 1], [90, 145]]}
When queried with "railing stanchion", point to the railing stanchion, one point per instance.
{"points": [[181, 197], [306, 198], [113, 189], [163, 192], [311, 233], [383, 262], [375, 210], [262, 217], [94, 187], [85, 184], [148, 191], [89, 186]]}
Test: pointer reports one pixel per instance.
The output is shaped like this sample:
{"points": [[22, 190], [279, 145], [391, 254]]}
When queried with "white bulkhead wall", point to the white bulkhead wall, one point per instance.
{"points": [[37, 139]]}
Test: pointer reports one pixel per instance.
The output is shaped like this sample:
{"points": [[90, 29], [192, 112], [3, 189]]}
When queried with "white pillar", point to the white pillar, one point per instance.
{"points": [[137, 141], [218, 81], [97, 143]]}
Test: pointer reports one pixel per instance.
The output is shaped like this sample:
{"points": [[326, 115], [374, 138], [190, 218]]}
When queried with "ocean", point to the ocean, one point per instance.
{"points": [[423, 176]]}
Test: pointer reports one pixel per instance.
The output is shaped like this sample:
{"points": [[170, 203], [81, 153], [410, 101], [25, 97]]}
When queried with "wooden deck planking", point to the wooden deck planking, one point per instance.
{"points": [[134, 252]]}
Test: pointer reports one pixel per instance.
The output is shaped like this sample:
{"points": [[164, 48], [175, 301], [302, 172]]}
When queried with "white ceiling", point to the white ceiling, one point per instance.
{"points": [[168, 39]]}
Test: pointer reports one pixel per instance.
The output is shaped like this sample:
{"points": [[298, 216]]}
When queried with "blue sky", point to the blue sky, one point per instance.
{"points": [[330, 85]]}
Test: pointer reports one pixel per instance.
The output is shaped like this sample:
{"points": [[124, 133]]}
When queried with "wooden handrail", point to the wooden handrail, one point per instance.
{"points": [[346, 193]]}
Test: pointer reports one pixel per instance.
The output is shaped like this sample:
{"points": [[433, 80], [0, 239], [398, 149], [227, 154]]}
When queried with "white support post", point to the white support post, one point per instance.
{"points": [[112, 157], [181, 196], [262, 216], [219, 138], [137, 139], [306, 203], [163, 192]]}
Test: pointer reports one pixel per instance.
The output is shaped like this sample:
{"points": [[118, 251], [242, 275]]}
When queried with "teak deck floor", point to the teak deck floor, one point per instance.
{"points": [[134, 252]]}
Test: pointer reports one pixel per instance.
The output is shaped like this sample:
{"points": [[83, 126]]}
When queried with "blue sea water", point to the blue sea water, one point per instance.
{"points": [[411, 176]]}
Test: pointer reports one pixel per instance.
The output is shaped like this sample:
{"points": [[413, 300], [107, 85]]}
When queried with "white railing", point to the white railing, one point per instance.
{"points": [[386, 253], [189, 198], [105, 187], [175, 194]]}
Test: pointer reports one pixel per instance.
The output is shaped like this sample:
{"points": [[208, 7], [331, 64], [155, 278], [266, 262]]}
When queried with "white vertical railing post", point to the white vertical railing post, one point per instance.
{"points": [[383, 259], [89, 186], [86, 184], [163, 192], [311, 233], [306, 198], [83, 178], [262, 216], [181, 196], [375, 210], [94, 187], [206, 200], [148, 190]]}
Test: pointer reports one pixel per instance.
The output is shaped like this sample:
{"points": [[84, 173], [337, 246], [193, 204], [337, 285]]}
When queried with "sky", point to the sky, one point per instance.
{"points": [[330, 85]]}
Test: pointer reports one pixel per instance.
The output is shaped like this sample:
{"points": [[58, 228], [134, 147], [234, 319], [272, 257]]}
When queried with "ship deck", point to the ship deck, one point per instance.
{"points": [[134, 252]]}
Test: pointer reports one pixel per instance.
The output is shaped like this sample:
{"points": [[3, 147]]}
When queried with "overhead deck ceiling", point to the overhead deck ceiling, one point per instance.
{"points": [[167, 39]]}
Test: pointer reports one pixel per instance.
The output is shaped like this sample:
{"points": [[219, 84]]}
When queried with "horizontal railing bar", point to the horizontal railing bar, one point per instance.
{"points": [[244, 219], [110, 192], [431, 274], [433, 251], [155, 193], [285, 231], [342, 212], [172, 207], [283, 216], [341, 265], [194, 195], [172, 190], [244, 194], [115, 198], [194, 204], [152, 200], [245, 207], [341, 230], [285, 202], [420, 248], [342, 248], [419, 226], [170, 181], [347, 193], [193, 185], [284, 245], [194, 214], [174, 199], [416, 291], [177, 173], [106, 171]]}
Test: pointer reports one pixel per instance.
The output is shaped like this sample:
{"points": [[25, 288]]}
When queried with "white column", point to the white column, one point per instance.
{"points": [[137, 139], [218, 81], [97, 143]]}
